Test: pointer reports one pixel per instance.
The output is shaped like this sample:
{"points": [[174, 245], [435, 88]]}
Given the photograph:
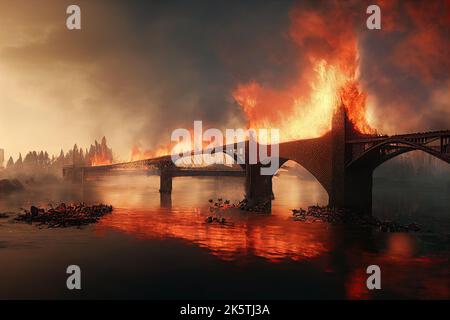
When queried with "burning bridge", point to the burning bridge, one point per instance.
{"points": [[342, 160]]}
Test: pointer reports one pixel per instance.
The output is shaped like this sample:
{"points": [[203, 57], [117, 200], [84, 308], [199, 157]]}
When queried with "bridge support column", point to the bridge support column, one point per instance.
{"points": [[165, 200], [349, 187], [258, 188], [358, 190], [352, 188], [165, 181]]}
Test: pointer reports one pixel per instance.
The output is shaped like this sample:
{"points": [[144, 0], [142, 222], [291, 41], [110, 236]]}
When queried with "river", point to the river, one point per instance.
{"points": [[162, 248]]}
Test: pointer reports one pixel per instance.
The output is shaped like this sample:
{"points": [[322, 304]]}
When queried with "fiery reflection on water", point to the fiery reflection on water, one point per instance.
{"points": [[408, 269], [254, 235]]}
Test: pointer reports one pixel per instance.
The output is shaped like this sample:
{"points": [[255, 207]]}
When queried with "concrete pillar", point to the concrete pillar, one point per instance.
{"points": [[358, 190], [165, 181], [258, 188], [165, 200], [350, 188]]}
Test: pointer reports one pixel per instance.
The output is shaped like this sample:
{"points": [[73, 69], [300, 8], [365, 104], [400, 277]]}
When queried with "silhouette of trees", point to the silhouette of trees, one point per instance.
{"points": [[40, 161]]}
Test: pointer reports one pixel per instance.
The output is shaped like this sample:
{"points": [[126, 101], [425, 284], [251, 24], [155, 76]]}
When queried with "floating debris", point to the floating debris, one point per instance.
{"points": [[212, 219], [220, 204], [65, 215], [345, 216], [261, 207], [5, 215], [217, 208]]}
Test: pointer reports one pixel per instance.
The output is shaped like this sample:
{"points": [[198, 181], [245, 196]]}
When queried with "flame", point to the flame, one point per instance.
{"points": [[138, 154], [100, 160], [162, 150], [355, 102], [328, 77], [171, 148]]}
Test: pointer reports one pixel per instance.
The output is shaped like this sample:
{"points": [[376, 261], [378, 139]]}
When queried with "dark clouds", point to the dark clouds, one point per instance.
{"points": [[405, 68]]}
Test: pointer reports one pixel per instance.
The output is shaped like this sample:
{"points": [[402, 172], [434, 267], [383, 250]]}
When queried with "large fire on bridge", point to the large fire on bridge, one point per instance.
{"points": [[327, 76]]}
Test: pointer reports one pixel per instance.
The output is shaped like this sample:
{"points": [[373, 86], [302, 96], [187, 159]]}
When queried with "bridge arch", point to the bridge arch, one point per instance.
{"points": [[374, 156], [409, 191], [302, 175], [410, 154]]}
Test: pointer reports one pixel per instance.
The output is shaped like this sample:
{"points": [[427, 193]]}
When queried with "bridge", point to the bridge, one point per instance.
{"points": [[342, 160]]}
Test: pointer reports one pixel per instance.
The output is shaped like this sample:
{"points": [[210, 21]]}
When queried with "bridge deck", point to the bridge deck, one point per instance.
{"points": [[208, 173]]}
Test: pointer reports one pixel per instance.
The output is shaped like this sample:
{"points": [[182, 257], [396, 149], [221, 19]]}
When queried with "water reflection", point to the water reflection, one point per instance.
{"points": [[404, 272], [412, 265], [266, 237], [275, 238], [182, 216]]}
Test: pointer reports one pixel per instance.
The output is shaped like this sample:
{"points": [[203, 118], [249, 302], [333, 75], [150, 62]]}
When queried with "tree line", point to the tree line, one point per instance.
{"points": [[98, 153]]}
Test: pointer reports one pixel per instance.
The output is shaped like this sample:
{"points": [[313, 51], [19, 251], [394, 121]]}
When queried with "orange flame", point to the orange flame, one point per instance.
{"points": [[100, 160], [328, 77], [138, 154], [168, 149]]}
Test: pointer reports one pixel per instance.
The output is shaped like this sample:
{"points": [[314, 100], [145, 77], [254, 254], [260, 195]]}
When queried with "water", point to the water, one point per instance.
{"points": [[152, 247]]}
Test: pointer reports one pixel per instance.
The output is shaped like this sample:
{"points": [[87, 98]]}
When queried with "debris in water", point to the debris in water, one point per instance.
{"points": [[216, 208], [261, 207], [342, 215], [221, 204], [211, 219], [65, 215], [5, 215]]}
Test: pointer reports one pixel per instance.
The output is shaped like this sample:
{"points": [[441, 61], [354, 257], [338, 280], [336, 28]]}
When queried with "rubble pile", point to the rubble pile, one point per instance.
{"points": [[215, 208], [4, 215], [65, 215], [261, 207], [219, 204], [344, 216], [212, 219]]}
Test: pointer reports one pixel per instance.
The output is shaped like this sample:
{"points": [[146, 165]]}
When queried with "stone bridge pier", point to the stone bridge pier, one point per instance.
{"points": [[165, 180], [166, 174], [258, 188], [358, 190]]}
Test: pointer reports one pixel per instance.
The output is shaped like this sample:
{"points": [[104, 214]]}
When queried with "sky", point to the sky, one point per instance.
{"points": [[139, 69]]}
